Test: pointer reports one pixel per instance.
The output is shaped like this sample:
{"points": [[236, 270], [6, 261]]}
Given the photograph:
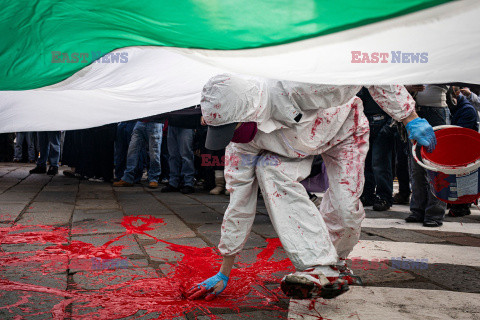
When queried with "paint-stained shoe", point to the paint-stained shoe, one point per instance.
{"points": [[312, 284], [347, 275]]}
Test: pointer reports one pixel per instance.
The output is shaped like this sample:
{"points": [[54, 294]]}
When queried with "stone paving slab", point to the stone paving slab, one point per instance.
{"points": [[10, 211], [435, 253], [50, 217], [253, 315], [473, 228], [130, 245], [144, 207], [56, 196], [212, 233], [454, 277], [85, 204], [197, 214], [97, 280], [13, 196], [173, 198], [402, 235], [209, 198], [174, 228], [161, 253], [97, 221], [380, 303], [28, 305]]}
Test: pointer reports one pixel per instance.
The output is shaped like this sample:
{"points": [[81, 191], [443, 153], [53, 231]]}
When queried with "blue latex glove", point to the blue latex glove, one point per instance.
{"points": [[422, 132], [205, 289]]}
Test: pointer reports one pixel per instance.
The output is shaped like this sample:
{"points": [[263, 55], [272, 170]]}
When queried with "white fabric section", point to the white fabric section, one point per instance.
{"points": [[280, 156], [153, 81], [157, 80], [445, 32]]}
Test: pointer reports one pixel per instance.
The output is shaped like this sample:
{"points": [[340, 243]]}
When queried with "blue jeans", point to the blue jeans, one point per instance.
{"points": [[423, 203], [143, 133], [378, 164], [181, 157], [49, 144], [122, 141], [21, 136]]}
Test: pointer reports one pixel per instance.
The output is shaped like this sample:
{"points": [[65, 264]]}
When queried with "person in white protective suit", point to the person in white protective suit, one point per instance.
{"points": [[282, 125]]}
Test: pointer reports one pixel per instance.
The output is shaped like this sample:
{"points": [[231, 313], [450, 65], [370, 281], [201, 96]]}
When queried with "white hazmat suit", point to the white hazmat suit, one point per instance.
{"points": [[295, 122]]}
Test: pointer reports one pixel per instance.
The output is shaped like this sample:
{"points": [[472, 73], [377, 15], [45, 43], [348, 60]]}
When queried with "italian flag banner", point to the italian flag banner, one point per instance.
{"points": [[81, 63]]}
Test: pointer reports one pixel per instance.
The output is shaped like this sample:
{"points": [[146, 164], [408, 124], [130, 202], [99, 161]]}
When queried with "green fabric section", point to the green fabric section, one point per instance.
{"points": [[32, 29]]}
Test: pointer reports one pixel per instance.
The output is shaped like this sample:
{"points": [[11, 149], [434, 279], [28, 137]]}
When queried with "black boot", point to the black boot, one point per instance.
{"points": [[39, 169], [52, 171]]}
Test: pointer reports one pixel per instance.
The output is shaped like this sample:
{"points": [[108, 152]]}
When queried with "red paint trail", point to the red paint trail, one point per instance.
{"points": [[160, 296]]}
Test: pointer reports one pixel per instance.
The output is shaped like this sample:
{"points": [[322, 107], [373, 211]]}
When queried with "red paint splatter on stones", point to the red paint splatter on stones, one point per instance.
{"points": [[138, 294]]}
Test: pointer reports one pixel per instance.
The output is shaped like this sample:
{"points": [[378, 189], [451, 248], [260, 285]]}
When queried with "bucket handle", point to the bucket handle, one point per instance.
{"points": [[421, 164]]}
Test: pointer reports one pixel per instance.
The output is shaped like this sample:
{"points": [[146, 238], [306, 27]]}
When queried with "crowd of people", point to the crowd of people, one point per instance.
{"points": [[278, 137], [170, 148]]}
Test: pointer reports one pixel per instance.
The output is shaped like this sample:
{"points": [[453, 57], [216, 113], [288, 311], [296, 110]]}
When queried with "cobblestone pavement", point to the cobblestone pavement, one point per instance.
{"points": [[75, 249]]}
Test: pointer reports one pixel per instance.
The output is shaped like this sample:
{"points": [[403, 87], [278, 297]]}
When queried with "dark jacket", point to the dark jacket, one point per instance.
{"points": [[464, 114]]}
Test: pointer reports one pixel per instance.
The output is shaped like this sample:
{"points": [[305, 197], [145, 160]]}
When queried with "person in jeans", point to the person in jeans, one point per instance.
{"points": [[145, 131], [49, 144], [22, 136], [122, 142], [181, 131], [378, 164], [424, 206]]}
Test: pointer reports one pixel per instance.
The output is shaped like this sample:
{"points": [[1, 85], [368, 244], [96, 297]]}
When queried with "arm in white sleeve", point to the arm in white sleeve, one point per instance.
{"points": [[394, 100]]}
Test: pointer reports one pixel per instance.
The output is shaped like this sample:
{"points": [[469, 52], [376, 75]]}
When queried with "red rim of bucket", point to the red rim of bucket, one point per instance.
{"points": [[450, 136]]}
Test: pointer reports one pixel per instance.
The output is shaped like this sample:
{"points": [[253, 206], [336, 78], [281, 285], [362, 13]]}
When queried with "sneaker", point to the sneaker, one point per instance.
{"points": [[367, 201], [312, 284], [187, 189], [16, 160], [122, 183], [413, 218], [70, 174], [381, 205], [401, 198], [169, 188], [153, 184], [52, 171], [39, 169], [432, 224], [164, 181]]}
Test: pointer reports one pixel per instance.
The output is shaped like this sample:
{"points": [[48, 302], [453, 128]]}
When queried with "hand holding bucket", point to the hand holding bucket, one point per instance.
{"points": [[452, 169]]}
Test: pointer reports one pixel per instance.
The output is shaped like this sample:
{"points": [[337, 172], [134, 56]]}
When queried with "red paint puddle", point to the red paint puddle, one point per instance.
{"points": [[136, 293]]}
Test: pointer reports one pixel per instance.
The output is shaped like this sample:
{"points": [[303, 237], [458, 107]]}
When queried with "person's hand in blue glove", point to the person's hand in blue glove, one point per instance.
{"points": [[208, 289], [422, 132]]}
